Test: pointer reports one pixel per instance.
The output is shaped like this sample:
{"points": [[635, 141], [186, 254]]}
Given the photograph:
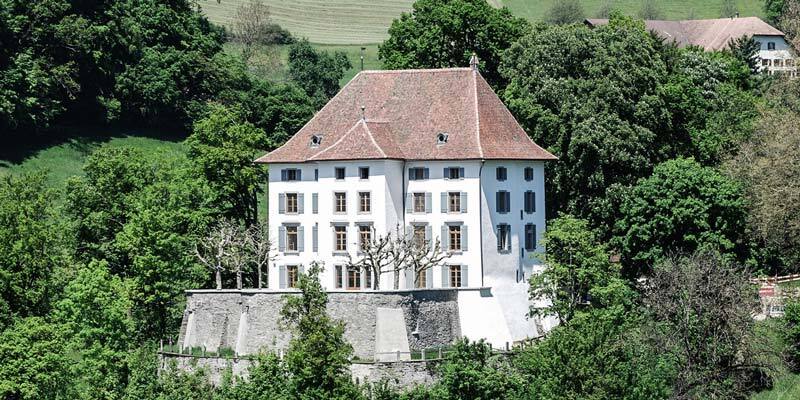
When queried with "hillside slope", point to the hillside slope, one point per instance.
{"points": [[366, 21]]}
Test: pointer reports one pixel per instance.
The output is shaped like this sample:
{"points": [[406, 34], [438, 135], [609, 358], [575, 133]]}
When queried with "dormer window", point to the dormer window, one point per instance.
{"points": [[441, 138], [316, 140]]}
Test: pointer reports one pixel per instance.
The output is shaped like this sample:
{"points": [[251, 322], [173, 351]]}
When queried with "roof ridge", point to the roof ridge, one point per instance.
{"points": [[336, 142], [477, 112], [414, 71], [372, 138]]}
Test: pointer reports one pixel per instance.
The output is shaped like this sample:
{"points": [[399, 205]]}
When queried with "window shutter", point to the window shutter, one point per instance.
{"points": [[444, 238], [425, 173], [428, 202], [534, 201], [300, 203], [429, 277], [444, 202], [445, 276], [461, 172], [410, 174], [409, 231], [409, 203], [315, 203], [499, 238], [507, 198], [534, 238], [336, 269], [498, 199], [464, 276], [463, 202], [300, 270], [299, 174], [301, 238], [508, 238], [446, 173], [429, 236], [282, 272], [281, 238], [410, 278], [464, 240], [283, 175], [315, 239], [281, 203]]}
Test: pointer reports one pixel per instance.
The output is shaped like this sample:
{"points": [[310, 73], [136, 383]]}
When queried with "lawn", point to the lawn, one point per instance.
{"points": [[787, 387]]}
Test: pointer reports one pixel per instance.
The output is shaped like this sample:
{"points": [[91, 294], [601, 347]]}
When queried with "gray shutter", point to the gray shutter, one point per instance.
{"points": [[410, 175], [444, 202], [445, 276], [446, 173], [409, 231], [463, 202], [534, 201], [315, 239], [410, 278], [428, 202], [497, 199], [282, 277], [281, 238], [464, 276], [461, 172], [301, 203], [301, 239], [426, 173], [429, 277], [315, 203], [336, 268], [299, 174], [444, 239], [281, 203], [283, 175], [508, 203], [499, 233], [409, 202], [464, 240], [429, 236]]}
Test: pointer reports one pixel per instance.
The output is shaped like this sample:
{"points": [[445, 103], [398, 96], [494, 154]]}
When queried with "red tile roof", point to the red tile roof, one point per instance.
{"points": [[404, 111], [710, 34]]}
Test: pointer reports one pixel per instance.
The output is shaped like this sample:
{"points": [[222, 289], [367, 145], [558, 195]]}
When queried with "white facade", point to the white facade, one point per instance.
{"points": [[776, 55]]}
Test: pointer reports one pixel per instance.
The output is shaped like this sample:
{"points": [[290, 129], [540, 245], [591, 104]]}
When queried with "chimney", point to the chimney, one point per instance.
{"points": [[736, 15], [363, 114], [473, 61]]}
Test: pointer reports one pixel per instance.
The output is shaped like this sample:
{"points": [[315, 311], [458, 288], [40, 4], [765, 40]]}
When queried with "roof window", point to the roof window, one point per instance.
{"points": [[441, 138], [316, 140]]}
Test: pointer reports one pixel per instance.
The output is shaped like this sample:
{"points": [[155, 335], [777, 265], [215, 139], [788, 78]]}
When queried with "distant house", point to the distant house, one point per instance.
{"points": [[714, 34]]}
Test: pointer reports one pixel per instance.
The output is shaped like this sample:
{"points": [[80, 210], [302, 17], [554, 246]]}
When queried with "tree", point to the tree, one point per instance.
{"points": [[375, 257], [213, 251], [317, 72], [35, 365], [565, 12], [424, 255], [440, 34], [682, 207], [577, 273], [702, 306], [260, 247], [746, 49], [250, 26], [472, 371], [728, 9], [223, 146], [650, 10], [318, 357], [773, 10]]}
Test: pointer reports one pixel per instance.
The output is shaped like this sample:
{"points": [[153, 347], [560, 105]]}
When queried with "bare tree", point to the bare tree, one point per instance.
{"points": [[260, 247], [250, 26], [237, 256], [399, 254], [212, 250], [381, 255], [424, 255]]}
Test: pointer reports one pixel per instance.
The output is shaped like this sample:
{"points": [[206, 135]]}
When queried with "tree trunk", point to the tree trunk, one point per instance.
{"points": [[219, 279], [239, 279], [259, 276], [376, 279], [396, 279]]}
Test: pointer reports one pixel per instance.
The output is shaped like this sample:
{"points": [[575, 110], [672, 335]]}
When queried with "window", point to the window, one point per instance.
{"points": [[502, 173], [364, 236], [364, 202], [453, 173], [530, 202], [291, 238], [316, 174], [316, 140], [292, 272], [503, 237], [339, 173], [454, 239], [338, 277], [419, 235], [419, 202], [455, 276], [353, 278], [363, 172], [290, 174], [417, 173], [441, 138], [422, 279], [770, 45], [340, 238], [765, 62], [340, 202], [528, 174], [530, 237], [291, 203], [454, 201], [503, 202]]}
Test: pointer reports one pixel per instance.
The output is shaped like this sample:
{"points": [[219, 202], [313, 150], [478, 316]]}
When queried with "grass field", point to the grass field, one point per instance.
{"points": [[366, 21], [787, 387]]}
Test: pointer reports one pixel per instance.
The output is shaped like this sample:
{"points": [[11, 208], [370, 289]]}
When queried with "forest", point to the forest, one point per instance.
{"points": [[677, 182]]}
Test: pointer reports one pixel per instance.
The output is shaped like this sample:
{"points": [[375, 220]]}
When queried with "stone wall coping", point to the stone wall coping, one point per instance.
{"points": [[295, 291]]}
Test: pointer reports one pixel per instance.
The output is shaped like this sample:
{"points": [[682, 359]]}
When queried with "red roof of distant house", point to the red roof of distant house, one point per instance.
{"points": [[404, 112], [710, 34]]}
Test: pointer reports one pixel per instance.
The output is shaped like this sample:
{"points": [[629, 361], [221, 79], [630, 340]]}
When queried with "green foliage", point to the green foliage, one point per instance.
{"points": [[318, 356], [565, 12], [773, 10], [34, 364], [683, 206], [317, 72], [473, 372], [268, 380], [147, 382], [31, 247], [577, 273], [791, 334], [438, 34], [223, 147]]}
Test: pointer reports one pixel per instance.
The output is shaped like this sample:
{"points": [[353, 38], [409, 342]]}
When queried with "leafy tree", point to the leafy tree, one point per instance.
{"points": [[95, 312], [650, 10], [439, 34], [565, 12], [317, 72], [224, 146], [31, 246], [773, 10], [35, 365], [683, 206], [472, 371], [577, 272], [746, 50], [149, 381], [791, 334], [318, 357], [267, 380]]}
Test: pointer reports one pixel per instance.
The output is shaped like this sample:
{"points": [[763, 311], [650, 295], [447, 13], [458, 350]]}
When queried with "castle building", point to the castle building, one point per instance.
{"points": [[429, 153]]}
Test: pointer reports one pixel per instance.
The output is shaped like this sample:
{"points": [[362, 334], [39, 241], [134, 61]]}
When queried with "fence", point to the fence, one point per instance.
{"points": [[772, 280]]}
